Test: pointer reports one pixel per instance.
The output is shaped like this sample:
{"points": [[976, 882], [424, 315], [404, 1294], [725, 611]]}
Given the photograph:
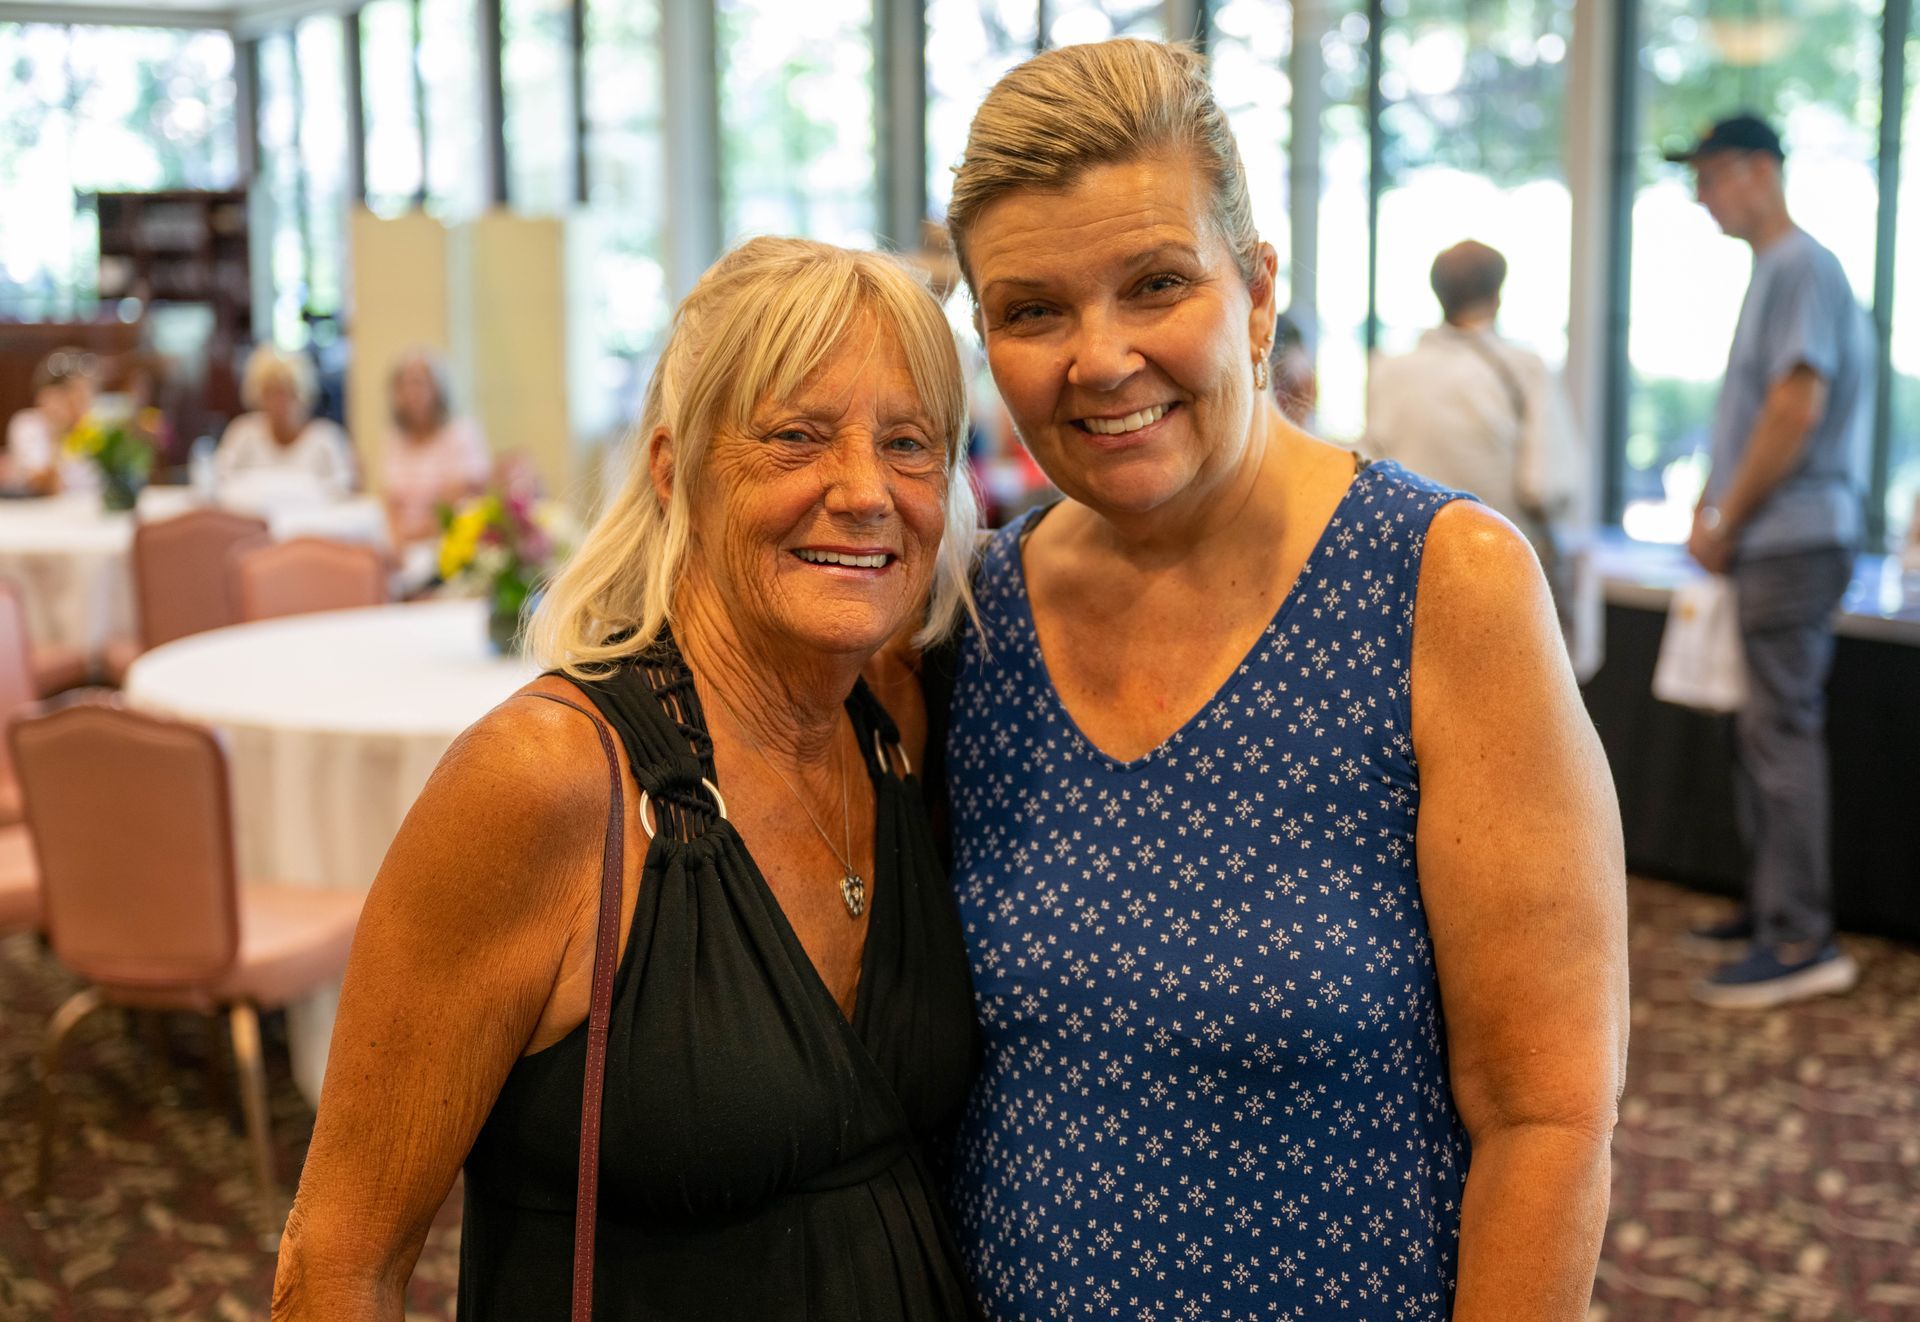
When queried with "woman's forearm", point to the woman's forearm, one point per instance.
{"points": [[1531, 1223], [305, 1290]]}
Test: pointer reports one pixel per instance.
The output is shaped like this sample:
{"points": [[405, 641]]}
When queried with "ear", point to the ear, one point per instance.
{"points": [[1266, 275], [660, 463]]}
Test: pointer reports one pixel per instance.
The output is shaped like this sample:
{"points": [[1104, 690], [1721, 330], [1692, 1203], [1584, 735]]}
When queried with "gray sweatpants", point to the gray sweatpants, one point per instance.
{"points": [[1786, 608]]}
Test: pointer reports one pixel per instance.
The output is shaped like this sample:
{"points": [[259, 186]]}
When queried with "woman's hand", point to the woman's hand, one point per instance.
{"points": [[468, 954], [1523, 880]]}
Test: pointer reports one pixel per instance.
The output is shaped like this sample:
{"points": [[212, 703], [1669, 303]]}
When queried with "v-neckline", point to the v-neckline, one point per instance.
{"points": [[883, 884], [1321, 545]]}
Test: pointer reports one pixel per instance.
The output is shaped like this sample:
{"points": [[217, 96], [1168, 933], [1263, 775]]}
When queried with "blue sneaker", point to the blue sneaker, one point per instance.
{"points": [[1722, 939], [1777, 975]]}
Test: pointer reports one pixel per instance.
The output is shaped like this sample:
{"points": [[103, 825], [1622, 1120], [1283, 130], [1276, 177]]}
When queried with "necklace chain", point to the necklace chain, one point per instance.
{"points": [[853, 889]]}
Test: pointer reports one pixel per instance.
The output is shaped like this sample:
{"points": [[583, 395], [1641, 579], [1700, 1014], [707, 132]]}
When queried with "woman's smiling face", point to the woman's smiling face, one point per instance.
{"points": [[1121, 333], [817, 525]]}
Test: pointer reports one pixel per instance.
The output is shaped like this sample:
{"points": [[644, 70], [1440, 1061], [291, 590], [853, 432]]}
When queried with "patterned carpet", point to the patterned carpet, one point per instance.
{"points": [[1767, 1165]]}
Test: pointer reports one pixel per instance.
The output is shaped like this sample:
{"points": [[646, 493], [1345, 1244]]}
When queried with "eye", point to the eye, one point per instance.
{"points": [[1164, 283], [1023, 312], [798, 435], [908, 444]]}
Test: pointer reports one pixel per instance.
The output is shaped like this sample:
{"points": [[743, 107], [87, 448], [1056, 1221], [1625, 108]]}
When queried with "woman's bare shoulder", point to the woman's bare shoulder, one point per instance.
{"points": [[516, 802], [1477, 570], [1486, 641]]}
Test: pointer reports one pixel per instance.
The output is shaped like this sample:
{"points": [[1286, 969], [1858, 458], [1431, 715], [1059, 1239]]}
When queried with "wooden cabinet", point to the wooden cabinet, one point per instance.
{"points": [[178, 250]]}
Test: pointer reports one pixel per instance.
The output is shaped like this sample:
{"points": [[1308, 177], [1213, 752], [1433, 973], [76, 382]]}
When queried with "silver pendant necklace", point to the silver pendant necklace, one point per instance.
{"points": [[853, 887]]}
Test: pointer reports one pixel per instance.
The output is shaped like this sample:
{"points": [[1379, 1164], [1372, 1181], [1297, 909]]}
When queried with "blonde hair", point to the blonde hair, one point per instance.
{"points": [[1050, 120], [758, 322], [267, 365]]}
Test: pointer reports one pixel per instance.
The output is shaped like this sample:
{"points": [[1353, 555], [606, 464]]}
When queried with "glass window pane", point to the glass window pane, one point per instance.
{"points": [[450, 70], [320, 46], [537, 85], [1475, 95], [970, 43], [1903, 472], [1341, 282], [1251, 43], [796, 119], [1812, 67], [392, 114], [1071, 22], [282, 207], [99, 109], [625, 170]]}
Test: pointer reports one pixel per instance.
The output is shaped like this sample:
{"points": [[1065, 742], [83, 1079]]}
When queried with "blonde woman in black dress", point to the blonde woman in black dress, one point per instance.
{"points": [[791, 1017]]}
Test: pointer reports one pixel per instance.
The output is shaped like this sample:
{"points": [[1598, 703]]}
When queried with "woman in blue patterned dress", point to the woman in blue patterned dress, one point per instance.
{"points": [[1288, 859]]}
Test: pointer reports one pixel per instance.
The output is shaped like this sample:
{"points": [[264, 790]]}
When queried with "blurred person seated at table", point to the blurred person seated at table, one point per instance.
{"points": [[279, 451], [35, 461], [432, 458], [1476, 412], [784, 1038]]}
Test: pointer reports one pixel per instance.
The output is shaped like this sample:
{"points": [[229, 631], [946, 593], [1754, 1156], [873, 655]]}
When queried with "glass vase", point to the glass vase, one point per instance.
{"points": [[118, 491], [504, 630]]}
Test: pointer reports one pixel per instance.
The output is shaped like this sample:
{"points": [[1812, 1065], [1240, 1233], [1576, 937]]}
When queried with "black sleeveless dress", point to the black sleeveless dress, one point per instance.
{"points": [[762, 1157]]}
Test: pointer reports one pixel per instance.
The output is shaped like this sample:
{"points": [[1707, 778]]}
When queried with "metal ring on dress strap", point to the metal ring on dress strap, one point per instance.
{"points": [[646, 807], [880, 751]]}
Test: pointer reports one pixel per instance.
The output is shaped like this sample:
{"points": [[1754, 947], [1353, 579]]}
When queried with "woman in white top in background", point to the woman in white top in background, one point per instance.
{"points": [[280, 434], [432, 458], [34, 460]]}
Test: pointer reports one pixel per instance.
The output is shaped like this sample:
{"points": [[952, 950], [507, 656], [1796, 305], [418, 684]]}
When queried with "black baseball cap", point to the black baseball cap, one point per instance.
{"points": [[1736, 133]]}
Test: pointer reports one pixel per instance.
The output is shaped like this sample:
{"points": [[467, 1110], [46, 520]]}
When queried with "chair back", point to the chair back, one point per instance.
{"points": [[17, 684], [306, 574], [181, 581], [133, 835]]}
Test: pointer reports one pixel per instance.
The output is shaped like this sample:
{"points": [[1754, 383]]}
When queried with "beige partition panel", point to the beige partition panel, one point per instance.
{"points": [[399, 301], [508, 327]]}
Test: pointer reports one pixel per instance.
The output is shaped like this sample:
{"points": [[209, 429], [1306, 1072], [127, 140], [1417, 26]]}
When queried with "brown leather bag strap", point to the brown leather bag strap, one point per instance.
{"points": [[606, 952]]}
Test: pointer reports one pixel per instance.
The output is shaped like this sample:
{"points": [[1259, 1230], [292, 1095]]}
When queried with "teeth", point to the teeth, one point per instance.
{"points": [[836, 558], [1120, 426]]}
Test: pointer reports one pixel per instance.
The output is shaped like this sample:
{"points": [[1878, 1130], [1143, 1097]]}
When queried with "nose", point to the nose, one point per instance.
{"points": [[859, 486], [1103, 356]]}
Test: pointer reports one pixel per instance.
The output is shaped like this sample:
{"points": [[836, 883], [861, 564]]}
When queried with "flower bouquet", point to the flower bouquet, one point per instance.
{"points": [[122, 449], [503, 545]]}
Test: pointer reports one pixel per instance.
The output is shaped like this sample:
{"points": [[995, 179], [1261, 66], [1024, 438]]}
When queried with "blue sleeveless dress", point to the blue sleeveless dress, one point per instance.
{"points": [[1214, 1082]]}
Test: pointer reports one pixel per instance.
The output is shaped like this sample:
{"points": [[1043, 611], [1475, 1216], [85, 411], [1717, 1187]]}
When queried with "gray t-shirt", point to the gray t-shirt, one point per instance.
{"points": [[1799, 310]]}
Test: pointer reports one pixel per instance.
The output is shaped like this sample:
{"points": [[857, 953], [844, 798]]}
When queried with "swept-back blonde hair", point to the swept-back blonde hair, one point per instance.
{"points": [[267, 366], [758, 322], [1050, 120]]}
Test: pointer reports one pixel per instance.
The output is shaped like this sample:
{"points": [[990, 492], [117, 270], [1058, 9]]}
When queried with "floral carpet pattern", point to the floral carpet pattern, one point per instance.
{"points": [[1767, 1164]]}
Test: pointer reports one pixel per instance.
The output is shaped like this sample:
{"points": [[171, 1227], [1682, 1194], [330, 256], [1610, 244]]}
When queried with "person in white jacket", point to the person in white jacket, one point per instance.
{"points": [[1479, 413]]}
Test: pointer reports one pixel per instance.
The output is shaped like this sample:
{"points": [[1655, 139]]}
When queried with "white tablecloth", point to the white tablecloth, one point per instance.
{"points": [[332, 723], [71, 557]]}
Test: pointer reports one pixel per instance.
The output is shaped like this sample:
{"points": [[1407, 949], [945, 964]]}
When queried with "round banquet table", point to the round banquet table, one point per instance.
{"points": [[73, 559], [69, 558], [332, 723]]}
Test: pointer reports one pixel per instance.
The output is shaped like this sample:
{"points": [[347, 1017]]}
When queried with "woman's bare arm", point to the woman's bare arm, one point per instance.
{"points": [[475, 922], [1523, 880]]}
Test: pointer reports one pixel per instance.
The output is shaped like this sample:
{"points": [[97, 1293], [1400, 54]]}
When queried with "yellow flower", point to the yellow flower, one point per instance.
{"points": [[462, 539], [86, 438]]}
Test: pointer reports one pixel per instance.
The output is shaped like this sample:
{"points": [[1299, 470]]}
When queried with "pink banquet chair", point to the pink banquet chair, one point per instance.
{"points": [[306, 574], [181, 581], [150, 912]]}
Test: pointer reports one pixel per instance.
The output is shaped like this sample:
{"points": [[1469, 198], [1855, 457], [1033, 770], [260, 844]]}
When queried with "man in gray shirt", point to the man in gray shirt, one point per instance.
{"points": [[1781, 514]]}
